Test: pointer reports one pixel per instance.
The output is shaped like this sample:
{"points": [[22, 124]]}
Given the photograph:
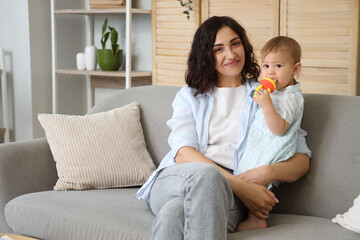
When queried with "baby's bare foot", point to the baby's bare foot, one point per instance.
{"points": [[251, 224]]}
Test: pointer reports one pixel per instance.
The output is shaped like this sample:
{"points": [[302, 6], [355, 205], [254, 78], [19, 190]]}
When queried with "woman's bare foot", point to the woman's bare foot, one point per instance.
{"points": [[251, 223]]}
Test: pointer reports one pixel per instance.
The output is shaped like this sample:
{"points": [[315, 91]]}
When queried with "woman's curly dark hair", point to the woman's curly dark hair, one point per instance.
{"points": [[201, 73]]}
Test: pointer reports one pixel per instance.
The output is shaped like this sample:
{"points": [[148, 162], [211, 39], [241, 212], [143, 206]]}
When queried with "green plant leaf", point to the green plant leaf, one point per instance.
{"points": [[103, 43], [114, 48], [187, 4], [113, 36], [104, 27]]}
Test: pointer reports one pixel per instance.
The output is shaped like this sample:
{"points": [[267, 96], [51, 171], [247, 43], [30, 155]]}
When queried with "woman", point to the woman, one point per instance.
{"points": [[193, 193]]}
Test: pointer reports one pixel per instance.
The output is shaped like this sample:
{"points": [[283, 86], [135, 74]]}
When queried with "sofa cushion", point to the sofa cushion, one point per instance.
{"points": [[92, 214], [116, 214], [155, 107], [297, 227], [103, 150]]}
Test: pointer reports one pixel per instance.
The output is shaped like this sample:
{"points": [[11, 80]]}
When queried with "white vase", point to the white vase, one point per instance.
{"points": [[80, 61], [90, 58]]}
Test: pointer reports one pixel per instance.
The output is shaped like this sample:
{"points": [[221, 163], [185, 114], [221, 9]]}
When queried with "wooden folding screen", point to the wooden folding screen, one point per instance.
{"points": [[327, 30], [172, 37]]}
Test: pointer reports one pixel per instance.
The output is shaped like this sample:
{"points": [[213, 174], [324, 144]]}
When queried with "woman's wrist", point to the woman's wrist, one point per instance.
{"points": [[270, 175], [237, 185]]}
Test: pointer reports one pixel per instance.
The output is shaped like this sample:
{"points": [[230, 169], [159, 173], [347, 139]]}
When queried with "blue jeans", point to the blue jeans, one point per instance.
{"points": [[194, 201]]}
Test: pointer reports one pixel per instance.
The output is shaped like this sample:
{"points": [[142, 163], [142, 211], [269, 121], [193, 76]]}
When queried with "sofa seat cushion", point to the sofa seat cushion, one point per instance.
{"points": [[93, 214], [116, 214], [297, 227]]}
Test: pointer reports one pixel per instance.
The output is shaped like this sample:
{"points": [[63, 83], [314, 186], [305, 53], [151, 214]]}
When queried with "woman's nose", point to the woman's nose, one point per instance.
{"points": [[230, 53]]}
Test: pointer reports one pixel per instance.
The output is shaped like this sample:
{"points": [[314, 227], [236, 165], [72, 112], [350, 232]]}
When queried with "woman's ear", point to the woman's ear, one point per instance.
{"points": [[296, 68]]}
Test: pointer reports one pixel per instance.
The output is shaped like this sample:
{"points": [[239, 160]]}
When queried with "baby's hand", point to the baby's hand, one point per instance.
{"points": [[263, 99]]}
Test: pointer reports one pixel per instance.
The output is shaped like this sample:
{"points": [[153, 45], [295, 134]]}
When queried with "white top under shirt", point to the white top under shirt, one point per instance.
{"points": [[225, 124]]}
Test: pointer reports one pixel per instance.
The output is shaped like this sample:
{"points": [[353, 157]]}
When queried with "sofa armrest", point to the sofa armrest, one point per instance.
{"points": [[25, 167]]}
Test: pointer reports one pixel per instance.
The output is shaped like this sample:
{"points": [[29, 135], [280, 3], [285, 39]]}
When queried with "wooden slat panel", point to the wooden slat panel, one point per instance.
{"points": [[165, 72], [175, 32], [316, 87], [260, 18], [324, 80], [171, 25], [171, 80], [308, 16], [171, 59], [323, 75], [172, 37], [172, 66], [319, 2], [172, 52], [173, 46], [319, 31], [326, 31]]}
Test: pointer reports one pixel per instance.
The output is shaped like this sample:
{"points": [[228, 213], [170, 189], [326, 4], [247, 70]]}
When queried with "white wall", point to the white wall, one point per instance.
{"points": [[40, 58], [14, 30], [25, 26]]}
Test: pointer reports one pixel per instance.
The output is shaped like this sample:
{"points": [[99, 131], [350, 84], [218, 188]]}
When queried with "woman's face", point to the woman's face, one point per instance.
{"points": [[229, 56]]}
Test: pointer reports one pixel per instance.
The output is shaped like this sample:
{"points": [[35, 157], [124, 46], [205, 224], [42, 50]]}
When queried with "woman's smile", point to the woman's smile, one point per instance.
{"points": [[231, 63]]}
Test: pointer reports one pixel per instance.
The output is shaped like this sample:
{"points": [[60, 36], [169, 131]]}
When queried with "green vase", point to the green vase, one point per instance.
{"points": [[107, 61]]}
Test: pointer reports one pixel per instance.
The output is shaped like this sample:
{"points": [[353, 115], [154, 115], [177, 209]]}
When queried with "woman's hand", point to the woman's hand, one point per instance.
{"points": [[258, 199], [260, 175]]}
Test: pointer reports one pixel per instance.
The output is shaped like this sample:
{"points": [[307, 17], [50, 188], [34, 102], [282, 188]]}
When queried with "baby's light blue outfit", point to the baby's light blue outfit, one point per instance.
{"points": [[264, 147]]}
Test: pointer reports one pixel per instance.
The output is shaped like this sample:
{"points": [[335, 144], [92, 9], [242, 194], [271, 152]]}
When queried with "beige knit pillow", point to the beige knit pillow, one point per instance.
{"points": [[102, 150]]}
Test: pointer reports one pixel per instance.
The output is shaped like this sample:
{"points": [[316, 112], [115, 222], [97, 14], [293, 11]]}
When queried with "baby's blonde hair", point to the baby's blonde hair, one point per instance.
{"points": [[282, 43]]}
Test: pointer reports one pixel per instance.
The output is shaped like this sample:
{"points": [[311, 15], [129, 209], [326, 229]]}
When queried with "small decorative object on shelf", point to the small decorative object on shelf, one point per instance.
{"points": [[90, 58], [80, 61], [107, 4], [109, 59]]}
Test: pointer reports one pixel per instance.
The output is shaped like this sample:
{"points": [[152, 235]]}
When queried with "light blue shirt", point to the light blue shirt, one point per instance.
{"points": [[190, 126]]}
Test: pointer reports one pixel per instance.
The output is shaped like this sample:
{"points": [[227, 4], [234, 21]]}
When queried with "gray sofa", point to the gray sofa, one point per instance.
{"points": [[30, 207]]}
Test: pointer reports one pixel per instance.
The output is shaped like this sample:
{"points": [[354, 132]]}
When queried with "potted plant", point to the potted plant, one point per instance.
{"points": [[109, 59], [187, 4]]}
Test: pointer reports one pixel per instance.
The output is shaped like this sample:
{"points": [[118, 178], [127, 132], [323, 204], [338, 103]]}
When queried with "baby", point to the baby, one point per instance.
{"points": [[273, 134]]}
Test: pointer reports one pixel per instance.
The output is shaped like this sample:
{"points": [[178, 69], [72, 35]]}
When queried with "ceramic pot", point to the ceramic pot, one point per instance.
{"points": [[90, 58], [107, 61]]}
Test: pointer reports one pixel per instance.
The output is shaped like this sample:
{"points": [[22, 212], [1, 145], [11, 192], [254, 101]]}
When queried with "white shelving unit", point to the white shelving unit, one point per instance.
{"points": [[4, 95], [128, 74]]}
